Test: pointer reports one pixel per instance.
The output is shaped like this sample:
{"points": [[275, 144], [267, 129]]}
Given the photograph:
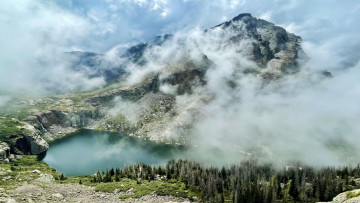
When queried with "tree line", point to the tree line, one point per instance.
{"points": [[246, 182]]}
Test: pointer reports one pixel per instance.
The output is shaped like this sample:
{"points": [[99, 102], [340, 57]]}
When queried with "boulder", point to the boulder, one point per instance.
{"points": [[46, 178], [4, 151], [36, 143], [342, 197]]}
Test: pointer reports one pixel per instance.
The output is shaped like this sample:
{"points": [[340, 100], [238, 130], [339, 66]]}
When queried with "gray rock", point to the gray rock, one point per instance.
{"points": [[12, 157], [36, 171], [132, 93], [46, 178], [130, 191], [57, 123], [37, 144], [29, 142], [10, 200], [4, 151], [57, 196], [341, 198]]}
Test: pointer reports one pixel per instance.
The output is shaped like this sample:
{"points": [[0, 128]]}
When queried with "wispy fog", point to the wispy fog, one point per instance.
{"points": [[34, 36], [305, 116]]}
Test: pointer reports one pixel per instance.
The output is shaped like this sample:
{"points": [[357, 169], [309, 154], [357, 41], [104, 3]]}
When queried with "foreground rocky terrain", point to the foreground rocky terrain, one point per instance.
{"points": [[50, 192], [26, 179]]}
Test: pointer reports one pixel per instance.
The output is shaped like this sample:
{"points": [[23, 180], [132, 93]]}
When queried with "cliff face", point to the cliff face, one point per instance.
{"points": [[20, 138], [56, 123], [166, 104]]}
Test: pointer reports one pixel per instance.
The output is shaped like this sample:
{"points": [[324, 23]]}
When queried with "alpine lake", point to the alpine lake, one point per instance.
{"points": [[87, 151]]}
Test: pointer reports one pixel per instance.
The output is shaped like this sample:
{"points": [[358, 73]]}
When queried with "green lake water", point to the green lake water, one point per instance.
{"points": [[88, 151]]}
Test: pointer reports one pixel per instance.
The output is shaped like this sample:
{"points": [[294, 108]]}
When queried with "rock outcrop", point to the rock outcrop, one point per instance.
{"points": [[29, 143], [343, 197], [54, 123], [4, 151], [132, 93], [20, 138]]}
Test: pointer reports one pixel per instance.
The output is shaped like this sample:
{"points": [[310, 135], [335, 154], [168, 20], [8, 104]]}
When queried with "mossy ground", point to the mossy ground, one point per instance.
{"points": [[10, 129], [352, 194], [118, 123], [162, 188], [169, 187], [16, 173]]}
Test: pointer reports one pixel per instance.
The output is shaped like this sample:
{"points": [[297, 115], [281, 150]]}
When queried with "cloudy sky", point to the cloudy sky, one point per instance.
{"points": [[122, 21], [34, 32]]}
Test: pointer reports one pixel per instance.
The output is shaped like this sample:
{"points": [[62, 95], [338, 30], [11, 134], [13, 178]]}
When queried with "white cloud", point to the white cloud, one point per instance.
{"points": [[300, 116], [299, 113], [34, 36]]}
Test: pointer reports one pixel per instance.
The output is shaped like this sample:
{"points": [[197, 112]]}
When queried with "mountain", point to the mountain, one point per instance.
{"points": [[271, 47], [97, 65], [93, 65], [170, 81], [162, 116]]}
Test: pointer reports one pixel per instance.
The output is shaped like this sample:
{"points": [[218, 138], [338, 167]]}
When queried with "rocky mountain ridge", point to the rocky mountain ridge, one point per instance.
{"points": [[166, 104]]}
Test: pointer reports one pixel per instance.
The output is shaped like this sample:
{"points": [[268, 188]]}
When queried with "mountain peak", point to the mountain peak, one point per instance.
{"points": [[241, 15]]}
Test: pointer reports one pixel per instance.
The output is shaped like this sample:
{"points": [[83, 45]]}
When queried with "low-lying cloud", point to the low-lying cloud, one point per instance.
{"points": [[34, 37], [305, 116]]}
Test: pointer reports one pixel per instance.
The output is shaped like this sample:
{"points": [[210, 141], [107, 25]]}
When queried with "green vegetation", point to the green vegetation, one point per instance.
{"points": [[352, 194], [18, 172], [15, 173], [11, 129], [133, 188], [247, 182], [15, 109], [139, 189], [118, 123]]}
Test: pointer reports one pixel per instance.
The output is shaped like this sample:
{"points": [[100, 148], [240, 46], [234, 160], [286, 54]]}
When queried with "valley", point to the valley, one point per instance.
{"points": [[210, 115]]}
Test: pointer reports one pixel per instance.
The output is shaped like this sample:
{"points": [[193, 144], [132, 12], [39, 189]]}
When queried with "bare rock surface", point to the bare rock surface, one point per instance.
{"points": [[4, 151], [341, 198]]}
